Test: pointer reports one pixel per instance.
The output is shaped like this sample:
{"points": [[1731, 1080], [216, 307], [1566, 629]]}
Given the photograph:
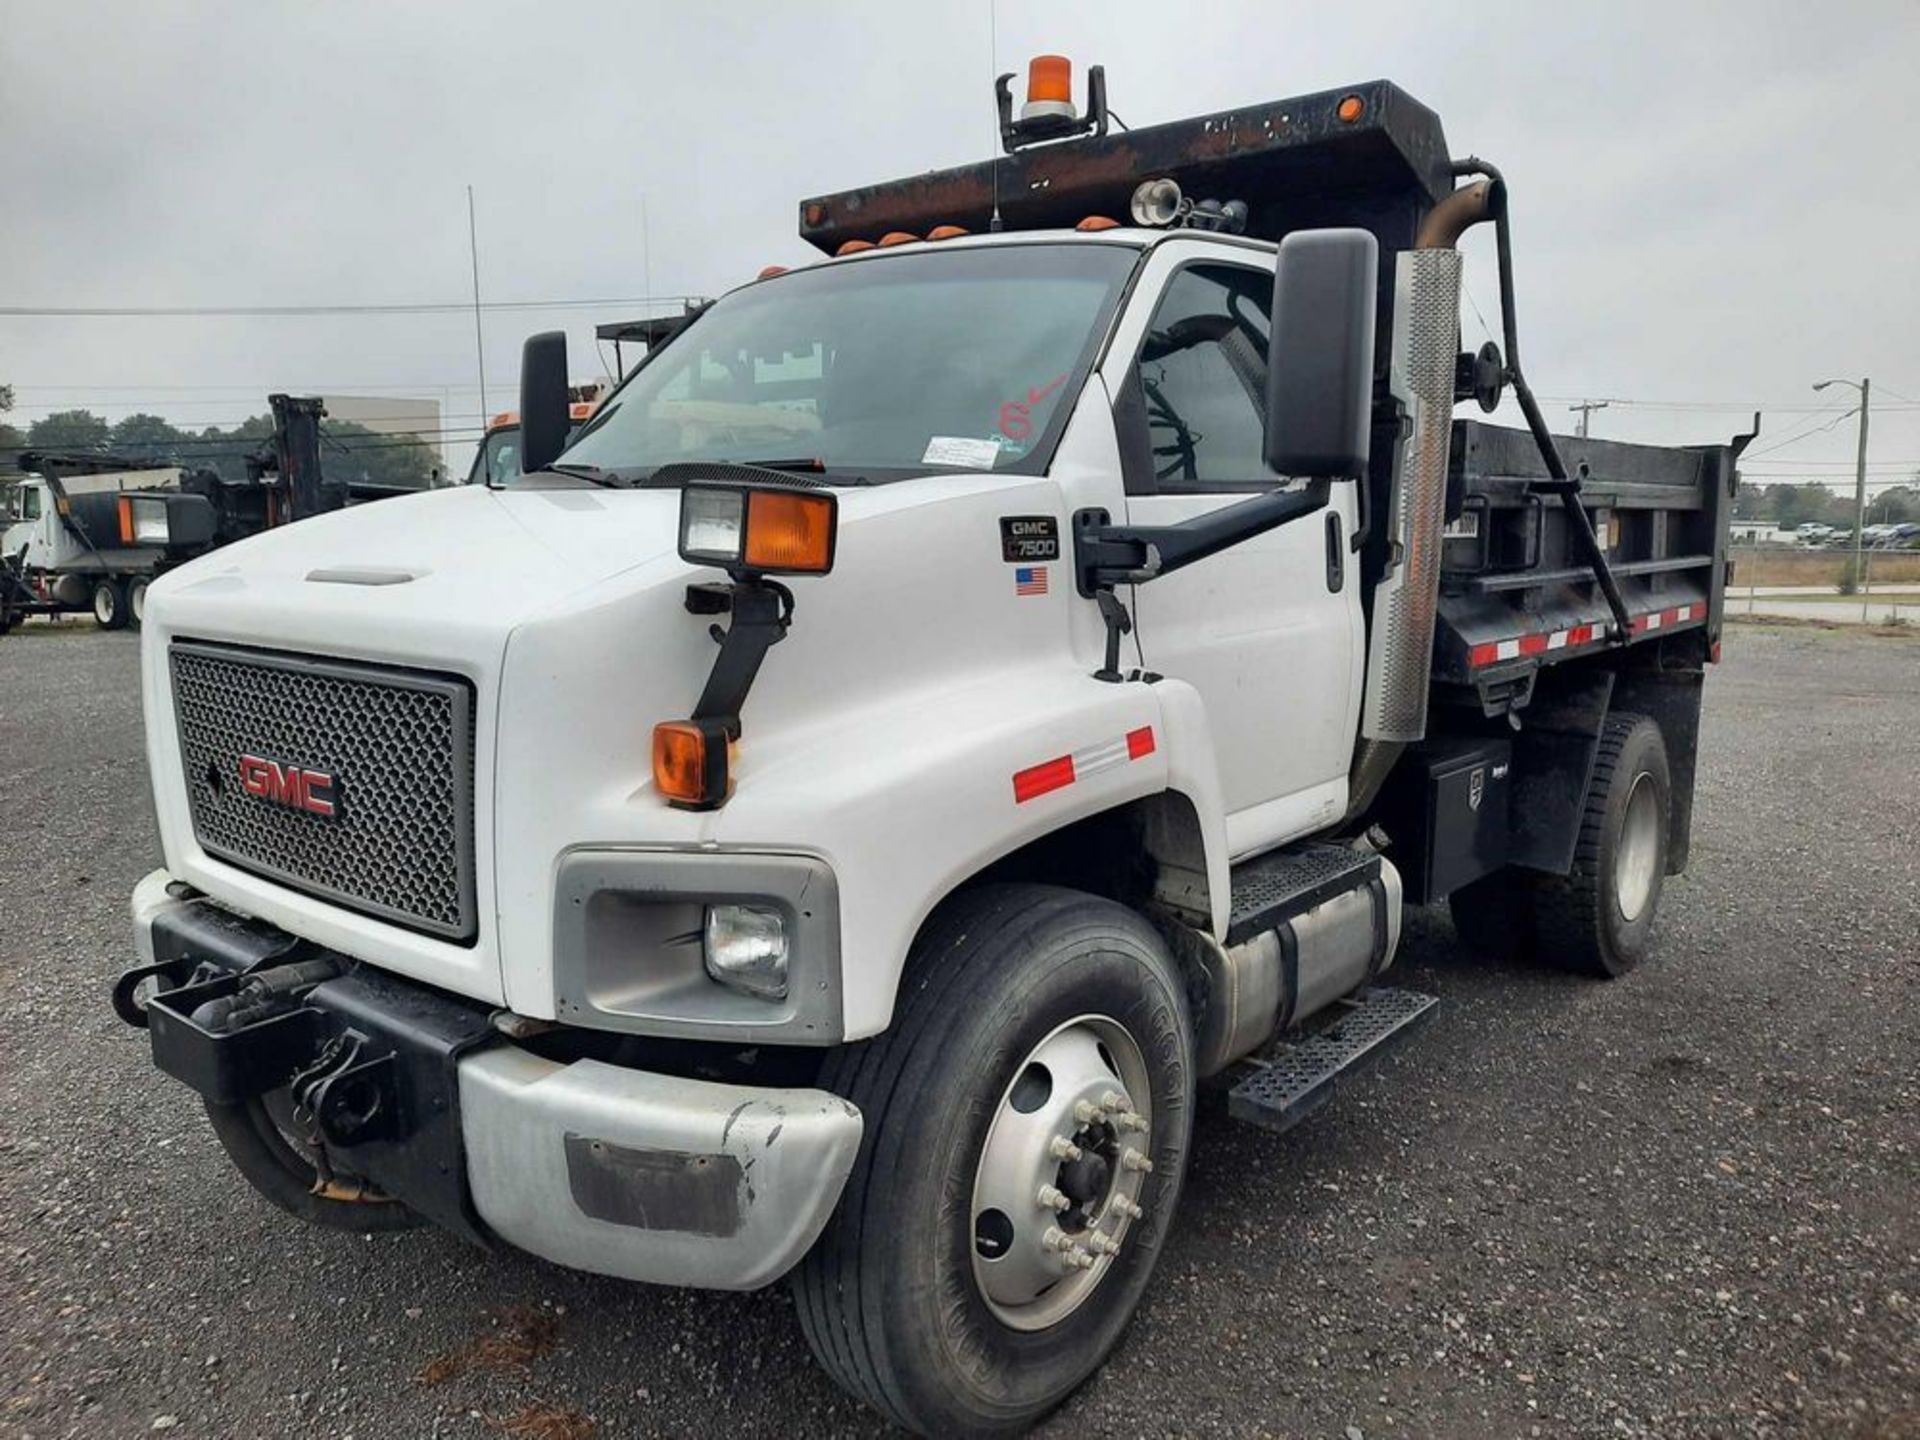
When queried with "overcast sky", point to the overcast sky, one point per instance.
{"points": [[1715, 204]]}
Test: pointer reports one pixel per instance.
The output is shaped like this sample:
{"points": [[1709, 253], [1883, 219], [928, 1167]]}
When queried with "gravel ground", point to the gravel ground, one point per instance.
{"points": [[1680, 1204]]}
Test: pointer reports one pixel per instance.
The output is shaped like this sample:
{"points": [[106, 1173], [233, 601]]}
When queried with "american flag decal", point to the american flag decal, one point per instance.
{"points": [[1030, 580]]}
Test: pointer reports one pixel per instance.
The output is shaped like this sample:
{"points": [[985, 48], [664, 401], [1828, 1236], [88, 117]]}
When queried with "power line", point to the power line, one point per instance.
{"points": [[1794, 438], [463, 307]]}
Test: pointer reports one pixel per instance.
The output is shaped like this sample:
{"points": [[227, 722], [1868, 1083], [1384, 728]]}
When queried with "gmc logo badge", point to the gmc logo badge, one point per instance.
{"points": [[289, 785]]}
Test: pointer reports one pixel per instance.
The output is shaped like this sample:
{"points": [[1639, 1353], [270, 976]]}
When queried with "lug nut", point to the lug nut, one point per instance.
{"points": [[1114, 1100], [1078, 1259], [1133, 1160], [1053, 1198], [1099, 1242], [1087, 1113], [1128, 1208], [1061, 1148], [1130, 1120], [1056, 1239]]}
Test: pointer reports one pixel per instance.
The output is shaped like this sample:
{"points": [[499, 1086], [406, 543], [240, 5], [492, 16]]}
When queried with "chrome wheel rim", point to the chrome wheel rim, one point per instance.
{"points": [[1637, 857], [1060, 1176]]}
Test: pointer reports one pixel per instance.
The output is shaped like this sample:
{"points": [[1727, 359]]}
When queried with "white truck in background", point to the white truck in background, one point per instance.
{"points": [[952, 701], [49, 564]]}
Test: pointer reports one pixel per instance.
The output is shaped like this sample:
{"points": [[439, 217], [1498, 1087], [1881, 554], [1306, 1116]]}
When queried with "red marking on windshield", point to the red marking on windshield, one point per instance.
{"points": [[1016, 421]]}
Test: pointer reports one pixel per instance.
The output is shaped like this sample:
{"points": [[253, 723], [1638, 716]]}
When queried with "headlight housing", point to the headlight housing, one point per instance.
{"points": [[748, 530], [721, 944], [144, 521]]}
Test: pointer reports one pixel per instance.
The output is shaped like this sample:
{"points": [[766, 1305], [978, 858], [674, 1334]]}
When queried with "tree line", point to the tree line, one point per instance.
{"points": [[1791, 506], [348, 451]]}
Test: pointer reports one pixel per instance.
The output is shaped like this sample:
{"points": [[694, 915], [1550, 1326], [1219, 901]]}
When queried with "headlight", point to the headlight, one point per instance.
{"points": [[746, 949], [143, 520], [711, 522]]}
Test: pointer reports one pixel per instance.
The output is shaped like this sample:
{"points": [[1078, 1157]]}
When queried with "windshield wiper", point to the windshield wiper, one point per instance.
{"points": [[808, 464], [594, 473]]}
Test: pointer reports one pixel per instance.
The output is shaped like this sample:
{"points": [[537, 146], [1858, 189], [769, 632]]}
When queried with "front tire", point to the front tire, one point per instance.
{"points": [[1028, 1014], [110, 604]]}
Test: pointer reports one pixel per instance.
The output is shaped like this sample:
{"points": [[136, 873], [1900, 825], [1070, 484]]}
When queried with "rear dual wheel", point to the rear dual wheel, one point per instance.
{"points": [[1597, 919], [1027, 1123]]}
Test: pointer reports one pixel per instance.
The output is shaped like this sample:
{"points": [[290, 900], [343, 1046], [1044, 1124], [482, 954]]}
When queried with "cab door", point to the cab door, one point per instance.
{"points": [[1270, 631]]}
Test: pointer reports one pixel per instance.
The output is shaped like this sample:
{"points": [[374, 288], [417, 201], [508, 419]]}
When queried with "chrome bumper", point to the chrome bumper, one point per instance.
{"points": [[594, 1166], [651, 1177]]}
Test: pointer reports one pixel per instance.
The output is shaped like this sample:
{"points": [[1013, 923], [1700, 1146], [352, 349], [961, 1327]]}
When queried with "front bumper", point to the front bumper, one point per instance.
{"points": [[599, 1167]]}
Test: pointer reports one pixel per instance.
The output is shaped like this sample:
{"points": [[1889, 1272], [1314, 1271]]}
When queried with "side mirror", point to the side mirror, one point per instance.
{"points": [[1320, 361], [544, 417]]}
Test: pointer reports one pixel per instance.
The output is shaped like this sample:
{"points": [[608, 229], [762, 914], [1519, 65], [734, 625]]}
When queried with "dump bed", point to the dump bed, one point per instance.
{"points": [[1515, 593]]}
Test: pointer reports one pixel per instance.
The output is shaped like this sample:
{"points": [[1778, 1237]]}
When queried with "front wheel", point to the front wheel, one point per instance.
{"points": [[1027, 1123], [110, 604]]}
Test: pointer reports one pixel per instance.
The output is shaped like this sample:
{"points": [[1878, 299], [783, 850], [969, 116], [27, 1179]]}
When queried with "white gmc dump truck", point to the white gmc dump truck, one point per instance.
{"points": [[829, 818]]}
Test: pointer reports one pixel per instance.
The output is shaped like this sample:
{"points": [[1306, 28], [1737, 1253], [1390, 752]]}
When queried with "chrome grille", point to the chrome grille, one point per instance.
{"points": [[396, 746]]}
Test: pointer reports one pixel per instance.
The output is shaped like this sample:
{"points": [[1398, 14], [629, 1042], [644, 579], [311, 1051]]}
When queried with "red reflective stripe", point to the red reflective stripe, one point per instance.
{"points": [[1140, 742], [1580, 635], [1037, 780], [1533, 644], [1483, 654]]}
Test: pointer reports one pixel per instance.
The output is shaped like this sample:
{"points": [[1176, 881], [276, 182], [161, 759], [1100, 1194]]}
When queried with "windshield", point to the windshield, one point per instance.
{"points": [[876, 370]]}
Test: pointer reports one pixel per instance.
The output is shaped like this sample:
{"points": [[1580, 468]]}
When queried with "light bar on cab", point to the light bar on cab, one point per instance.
{"points": [[752, 531]]}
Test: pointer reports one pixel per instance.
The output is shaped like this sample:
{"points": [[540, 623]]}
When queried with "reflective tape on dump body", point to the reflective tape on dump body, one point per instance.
{"points": [[1541, 642]]}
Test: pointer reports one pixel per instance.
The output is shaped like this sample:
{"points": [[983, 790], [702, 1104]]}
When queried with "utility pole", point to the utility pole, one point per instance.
{"points": [[1585, 409], [1865, 387], [479, 344]]}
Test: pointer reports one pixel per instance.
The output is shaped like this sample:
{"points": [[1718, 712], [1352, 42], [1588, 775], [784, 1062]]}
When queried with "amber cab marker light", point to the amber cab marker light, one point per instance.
{"points": [[853, 247], [789, 534], [767, 272], [1098, 222], [898, 237], [946, 232], [1350, 109], [690, 762]]}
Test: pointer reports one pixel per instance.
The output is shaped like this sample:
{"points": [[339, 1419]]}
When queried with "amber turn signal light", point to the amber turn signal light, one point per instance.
{"points": [[789, 534], [690, 762]]}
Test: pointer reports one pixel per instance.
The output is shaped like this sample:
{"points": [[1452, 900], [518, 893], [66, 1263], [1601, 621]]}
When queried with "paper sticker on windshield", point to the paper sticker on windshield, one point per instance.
{"points": [[963, 451]]}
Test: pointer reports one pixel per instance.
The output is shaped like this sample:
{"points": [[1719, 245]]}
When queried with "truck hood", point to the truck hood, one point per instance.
{"points": [[454, 570]]}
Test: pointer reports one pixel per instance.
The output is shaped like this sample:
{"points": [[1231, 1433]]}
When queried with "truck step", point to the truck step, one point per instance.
{"points": [[1296, 1076], [1277, 887]]}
